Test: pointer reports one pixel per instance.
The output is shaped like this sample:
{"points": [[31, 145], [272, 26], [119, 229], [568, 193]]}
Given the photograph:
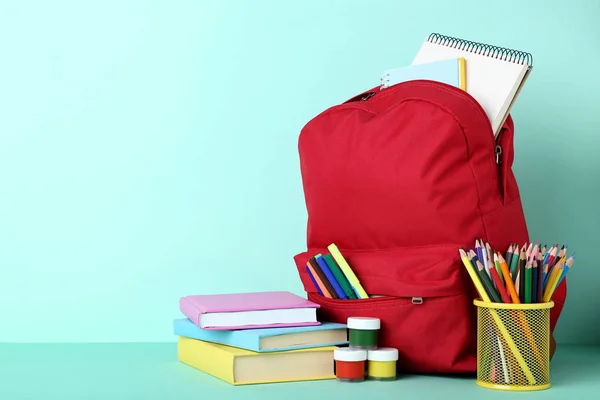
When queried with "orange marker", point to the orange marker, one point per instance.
{"points": [[319, 282]]}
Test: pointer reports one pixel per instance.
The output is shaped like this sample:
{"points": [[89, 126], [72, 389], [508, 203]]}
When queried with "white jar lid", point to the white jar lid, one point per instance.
{"points": [[349, 354], [366, 323], [383, 354]]}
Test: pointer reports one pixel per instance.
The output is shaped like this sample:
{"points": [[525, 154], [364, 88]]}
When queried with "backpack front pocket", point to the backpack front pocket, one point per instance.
{"points": [[434, 334], [422, 297]]}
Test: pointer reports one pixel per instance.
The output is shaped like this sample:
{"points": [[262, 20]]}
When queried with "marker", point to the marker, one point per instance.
{"points": [[330, 277], [341, 261]]}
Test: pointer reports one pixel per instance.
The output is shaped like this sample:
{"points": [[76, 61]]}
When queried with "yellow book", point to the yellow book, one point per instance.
{"points": [[243, 367]]}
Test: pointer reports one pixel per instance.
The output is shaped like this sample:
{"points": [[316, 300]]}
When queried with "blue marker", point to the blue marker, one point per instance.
{"points": [[314, 281], [330, 277]]}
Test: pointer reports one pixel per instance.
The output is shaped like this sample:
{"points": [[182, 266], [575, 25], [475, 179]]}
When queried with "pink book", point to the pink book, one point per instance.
{"points": [[249, 310]]}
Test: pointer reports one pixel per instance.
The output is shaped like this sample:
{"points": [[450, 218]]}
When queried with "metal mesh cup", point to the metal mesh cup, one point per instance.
{"points": [[513, 345]]}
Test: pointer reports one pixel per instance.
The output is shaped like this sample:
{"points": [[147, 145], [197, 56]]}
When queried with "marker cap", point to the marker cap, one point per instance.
{"points": [[364, 323], [349, 354], [383, 354]]}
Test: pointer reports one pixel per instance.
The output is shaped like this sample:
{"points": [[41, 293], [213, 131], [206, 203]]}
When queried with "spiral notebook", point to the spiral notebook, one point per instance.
{"points": [[495, 75]]}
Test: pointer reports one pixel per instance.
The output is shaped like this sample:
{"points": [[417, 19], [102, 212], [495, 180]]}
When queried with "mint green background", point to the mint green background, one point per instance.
{"points": [[148, 148]]}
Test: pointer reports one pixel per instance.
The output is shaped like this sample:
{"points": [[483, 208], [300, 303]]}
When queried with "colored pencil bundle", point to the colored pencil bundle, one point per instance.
{"points": [[333, 277], [527, 274], [523, 274]]}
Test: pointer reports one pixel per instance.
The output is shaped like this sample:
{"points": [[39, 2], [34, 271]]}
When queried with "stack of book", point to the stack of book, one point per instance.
{"points": [[259, 337]]}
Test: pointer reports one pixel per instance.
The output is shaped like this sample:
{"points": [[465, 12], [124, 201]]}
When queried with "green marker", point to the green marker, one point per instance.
{"points": [[339, 275]]}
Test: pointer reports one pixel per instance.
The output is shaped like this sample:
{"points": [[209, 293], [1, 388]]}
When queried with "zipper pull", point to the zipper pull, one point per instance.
{"points": [[360, 97], [367, 96], [417, 300], [498, 152]]}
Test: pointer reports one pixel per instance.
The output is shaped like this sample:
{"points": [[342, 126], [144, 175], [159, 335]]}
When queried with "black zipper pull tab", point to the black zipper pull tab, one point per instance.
{"points": [[361, 97], [498, 153], [367, 96]]}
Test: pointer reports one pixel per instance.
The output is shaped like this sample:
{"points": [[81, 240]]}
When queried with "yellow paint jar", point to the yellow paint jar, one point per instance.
{"points": [[381, 365]]}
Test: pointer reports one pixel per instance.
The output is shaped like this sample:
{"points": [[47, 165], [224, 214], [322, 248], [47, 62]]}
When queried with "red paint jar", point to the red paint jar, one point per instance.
{"points": [[350, 364]]}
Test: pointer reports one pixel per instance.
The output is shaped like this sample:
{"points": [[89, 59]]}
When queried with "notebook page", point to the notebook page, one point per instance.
{"points": [[492, 82]]}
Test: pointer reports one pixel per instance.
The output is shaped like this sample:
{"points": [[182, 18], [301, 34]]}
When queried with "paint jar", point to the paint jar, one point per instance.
{"points": [[350, 364], [363, 332], [382, 363]]}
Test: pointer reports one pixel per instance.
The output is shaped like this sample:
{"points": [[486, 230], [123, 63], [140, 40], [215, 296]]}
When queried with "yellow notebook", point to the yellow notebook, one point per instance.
{"points": [[242, 367]]}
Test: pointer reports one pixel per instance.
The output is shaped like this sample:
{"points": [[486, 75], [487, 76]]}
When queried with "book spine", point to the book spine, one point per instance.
{"points": [[190, 311], [186, 328], [187, 353]]}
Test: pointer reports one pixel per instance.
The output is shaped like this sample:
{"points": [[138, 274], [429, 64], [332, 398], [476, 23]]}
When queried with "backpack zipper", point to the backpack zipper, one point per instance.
{"points": [[498, 152], [361, 97], [455, 91]]}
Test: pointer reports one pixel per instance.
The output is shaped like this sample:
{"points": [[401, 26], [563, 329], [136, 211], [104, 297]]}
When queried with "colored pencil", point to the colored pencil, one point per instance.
{"points": [[551, 285], [567, 268], [539, 291], [486, 261], [474, 276], [503, 358], [529, 250], [489, 253], [544, 273], [509, 254], [514, 263], [534, 252], [554, 261], [499, 285], [543, 251], [534, 275], [509, 283], [498, 269], [564, 250], [556, 258], [552, 256], [479, 252], [528, 273], [485, 279], [547, 255], [522, 288]]}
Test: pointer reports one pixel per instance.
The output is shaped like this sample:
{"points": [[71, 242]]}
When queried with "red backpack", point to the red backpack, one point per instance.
{"points": [[399, 179]]}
